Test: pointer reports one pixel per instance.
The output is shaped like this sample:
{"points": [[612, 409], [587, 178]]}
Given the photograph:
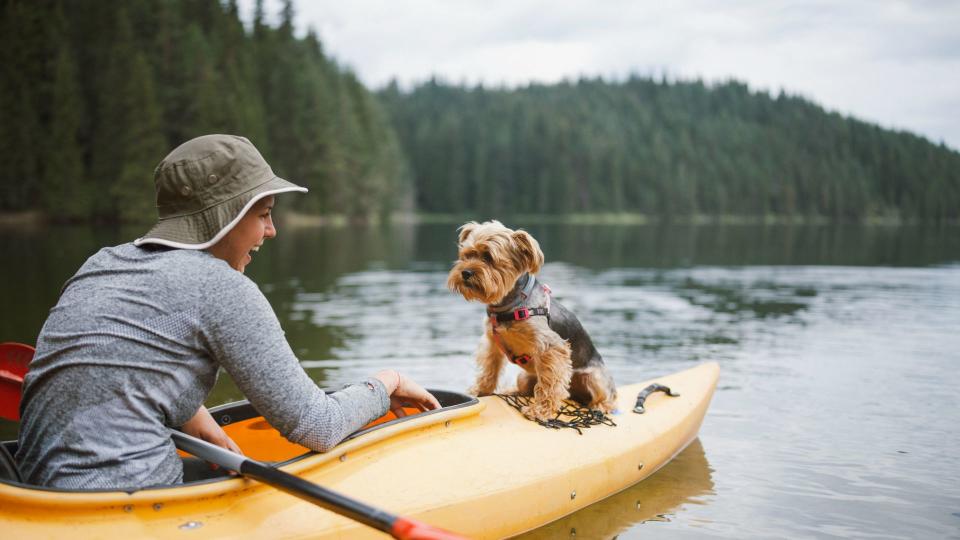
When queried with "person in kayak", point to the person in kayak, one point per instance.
{"points": [[134, 344]]}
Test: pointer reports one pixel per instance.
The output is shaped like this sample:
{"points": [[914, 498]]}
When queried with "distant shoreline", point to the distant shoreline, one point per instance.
{"points": [[29, 218], [292, 219]]}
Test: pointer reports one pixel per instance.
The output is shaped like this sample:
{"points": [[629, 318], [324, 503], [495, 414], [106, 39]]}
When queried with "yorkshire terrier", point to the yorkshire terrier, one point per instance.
{"points": [[496, 266]]}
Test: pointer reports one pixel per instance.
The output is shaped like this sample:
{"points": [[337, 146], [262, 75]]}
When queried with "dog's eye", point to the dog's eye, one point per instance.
{"points": [[487, 258]]}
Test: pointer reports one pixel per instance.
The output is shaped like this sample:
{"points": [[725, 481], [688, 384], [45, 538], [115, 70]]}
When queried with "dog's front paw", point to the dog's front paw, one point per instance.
{"points": [[607, 406], [538, 411]]}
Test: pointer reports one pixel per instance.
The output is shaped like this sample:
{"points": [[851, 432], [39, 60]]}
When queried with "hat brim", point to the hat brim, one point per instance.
{"points": [[202, 229]]}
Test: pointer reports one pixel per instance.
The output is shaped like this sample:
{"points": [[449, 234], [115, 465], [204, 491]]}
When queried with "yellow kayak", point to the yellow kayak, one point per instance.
{"points": [[475, 467]]}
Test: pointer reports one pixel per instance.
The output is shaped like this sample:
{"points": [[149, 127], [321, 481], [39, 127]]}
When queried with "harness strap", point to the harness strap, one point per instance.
{"points": [[519, 359], [521, 313]]}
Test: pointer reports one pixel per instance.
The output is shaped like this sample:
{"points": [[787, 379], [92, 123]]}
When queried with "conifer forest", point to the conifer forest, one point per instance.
{"points": [[94, 94]]}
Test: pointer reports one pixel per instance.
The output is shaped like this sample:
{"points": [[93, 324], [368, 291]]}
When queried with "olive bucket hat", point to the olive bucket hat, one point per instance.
{"points": [[205, 186]]}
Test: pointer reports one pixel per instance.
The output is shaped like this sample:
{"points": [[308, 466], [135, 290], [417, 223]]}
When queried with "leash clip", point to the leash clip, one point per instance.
{"points": [[521, 314]]}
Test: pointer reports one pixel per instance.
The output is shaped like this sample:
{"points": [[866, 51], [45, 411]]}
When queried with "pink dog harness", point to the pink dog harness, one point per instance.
{"points": [[518, 312]]}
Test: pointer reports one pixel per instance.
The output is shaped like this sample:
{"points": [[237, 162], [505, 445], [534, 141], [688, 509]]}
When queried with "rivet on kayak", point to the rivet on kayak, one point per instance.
{"points": [[638, 505], [447, 423], [128, 508], [640, 467], [573, 531], [225, 419], [343, 457], [157, 506], [191, 525], [573, 495]]}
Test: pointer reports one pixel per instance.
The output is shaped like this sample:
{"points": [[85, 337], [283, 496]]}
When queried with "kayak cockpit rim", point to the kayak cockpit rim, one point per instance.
{"points": [[230, 413]]}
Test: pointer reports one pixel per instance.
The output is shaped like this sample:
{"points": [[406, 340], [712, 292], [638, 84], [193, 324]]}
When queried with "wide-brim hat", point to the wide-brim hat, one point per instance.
{"points": [[204, 188]]}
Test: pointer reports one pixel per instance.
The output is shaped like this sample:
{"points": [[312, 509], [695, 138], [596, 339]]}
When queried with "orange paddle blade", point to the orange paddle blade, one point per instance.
{"points": [[411, 529]]}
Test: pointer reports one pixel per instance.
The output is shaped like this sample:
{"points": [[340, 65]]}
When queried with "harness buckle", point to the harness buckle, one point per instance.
{"points": [[521, 314]]}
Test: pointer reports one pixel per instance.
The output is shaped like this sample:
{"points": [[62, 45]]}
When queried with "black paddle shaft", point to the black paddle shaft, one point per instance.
{"points": [[321, 496], [284, 481]]}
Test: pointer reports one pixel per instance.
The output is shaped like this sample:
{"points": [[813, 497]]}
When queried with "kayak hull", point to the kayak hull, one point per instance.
{"points": [[480, 470]]}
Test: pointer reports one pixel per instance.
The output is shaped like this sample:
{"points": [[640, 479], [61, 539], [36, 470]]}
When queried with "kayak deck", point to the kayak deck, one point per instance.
{"points": [[480, 469]]}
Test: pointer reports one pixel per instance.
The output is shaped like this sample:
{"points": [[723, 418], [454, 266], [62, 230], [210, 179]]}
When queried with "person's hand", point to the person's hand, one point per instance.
{"points": [[406, 393], [203, 426]]}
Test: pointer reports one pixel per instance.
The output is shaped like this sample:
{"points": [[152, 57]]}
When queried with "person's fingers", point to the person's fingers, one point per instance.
{"points": [[399, 412], [427, 401], [420, 398], [419, 403], [432, 401], [234, 447], [423, 396], [224, 441]]}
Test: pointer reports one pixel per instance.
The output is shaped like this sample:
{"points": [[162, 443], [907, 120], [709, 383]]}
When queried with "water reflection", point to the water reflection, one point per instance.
{"points": [[36, 262], [685, 480]]}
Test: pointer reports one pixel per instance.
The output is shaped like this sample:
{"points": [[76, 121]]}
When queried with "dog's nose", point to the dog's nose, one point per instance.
{"points": [[466, 274]]}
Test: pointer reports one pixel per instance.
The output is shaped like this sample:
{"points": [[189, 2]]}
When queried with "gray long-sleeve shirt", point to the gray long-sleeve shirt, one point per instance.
{"points": [[132, 349]]}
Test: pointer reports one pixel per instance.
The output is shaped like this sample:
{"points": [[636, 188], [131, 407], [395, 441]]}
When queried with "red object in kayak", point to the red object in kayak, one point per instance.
{"points": [[14, 360]]}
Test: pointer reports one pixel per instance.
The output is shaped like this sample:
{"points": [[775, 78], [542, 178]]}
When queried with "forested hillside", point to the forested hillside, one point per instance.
{"points": [[93, 95], [662, 149]]}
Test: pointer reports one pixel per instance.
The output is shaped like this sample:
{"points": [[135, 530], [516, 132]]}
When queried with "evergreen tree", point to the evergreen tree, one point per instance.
{"points": [[21, 51], [129, 140], [66, 193], [202, 90], [133, 192]]}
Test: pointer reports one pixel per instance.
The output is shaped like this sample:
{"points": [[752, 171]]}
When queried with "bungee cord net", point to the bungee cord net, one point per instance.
{"points": [[571, 415]]}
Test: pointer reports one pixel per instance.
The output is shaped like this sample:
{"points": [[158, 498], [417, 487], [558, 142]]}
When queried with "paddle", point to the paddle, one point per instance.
{"points": [[14, 359], [396, 526]]}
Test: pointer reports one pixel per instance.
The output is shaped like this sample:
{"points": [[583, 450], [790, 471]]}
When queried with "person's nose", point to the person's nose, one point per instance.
{"points": [[270, 231]]}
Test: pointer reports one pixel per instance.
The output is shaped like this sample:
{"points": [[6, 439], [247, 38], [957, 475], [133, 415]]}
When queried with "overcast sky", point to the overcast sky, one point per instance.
{"points": [[895, 63]]}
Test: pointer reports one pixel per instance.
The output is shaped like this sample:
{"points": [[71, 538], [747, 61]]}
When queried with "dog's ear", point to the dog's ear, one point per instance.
{"points": [[465, 230], [529, 250]]}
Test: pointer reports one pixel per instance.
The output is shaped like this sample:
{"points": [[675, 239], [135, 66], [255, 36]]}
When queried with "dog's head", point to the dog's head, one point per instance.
{"points": [[491, 259]]}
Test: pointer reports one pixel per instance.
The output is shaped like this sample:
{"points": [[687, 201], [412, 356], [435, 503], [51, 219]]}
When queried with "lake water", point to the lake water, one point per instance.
{"points": [[837, 412]]}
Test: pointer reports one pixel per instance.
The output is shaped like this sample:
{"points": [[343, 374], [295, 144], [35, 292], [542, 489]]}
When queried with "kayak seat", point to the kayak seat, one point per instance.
{"points": [[8, 466]]}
